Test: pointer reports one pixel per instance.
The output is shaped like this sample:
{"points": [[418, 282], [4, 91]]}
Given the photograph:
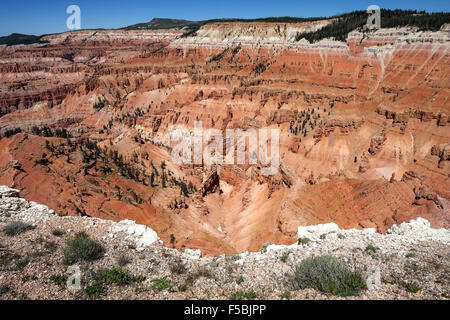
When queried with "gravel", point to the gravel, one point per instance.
{"points": [[413, 260]]}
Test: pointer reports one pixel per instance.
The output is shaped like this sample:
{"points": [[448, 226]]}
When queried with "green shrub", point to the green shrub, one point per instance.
{"points": [[240, 295], [59, 279], [28, 277], [240, 280], [82, 248], [284, 257], [329, 275], [285, 295], [412, 288], [182, 288], [17, 227], [95, 290], [117, 276], [161, 284]]}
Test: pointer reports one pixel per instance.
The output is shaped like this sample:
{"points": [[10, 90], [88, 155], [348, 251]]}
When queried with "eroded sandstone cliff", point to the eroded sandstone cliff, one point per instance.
{"points": [[364, 128]]}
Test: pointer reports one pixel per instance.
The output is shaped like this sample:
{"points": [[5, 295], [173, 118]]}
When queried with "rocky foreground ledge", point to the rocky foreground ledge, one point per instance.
{"points": [[413, 261]]}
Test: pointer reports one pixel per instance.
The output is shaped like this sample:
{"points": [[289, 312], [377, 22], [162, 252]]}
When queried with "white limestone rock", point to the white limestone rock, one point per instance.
{"points": [[314, 232]]}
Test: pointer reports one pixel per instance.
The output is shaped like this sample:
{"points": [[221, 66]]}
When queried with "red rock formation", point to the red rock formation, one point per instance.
{"points": [[364, 128]]}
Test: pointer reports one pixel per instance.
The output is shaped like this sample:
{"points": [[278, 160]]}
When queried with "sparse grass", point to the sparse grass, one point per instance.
{"points": [[284, 257], [160, 284], [59, 279], [411, 255], [304, 241], [123, 260], [329, 275], [386, 281], [82, 248], [241, 295], [21, 264], [240, 280], [95, 290], [413, 288], [28, 277], [117, 276], [16, 227]]}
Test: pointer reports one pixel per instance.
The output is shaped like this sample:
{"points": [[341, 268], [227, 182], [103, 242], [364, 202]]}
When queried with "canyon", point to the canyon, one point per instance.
{"points": [[364, 129]]}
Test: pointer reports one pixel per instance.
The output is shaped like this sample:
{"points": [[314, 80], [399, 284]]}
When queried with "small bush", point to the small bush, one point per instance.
{"points": [[285, 295], [82, 248], [17, 227], [117, 276], [95, 290], [161, 284], [240, 280], [284, 257], [21, 264], [371, 249], [28, 277], [59, 279], [328, 275], [412, 288], [182, 288], [240, 295]]}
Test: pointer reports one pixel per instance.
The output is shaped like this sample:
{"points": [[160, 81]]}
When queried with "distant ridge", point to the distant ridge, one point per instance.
{"points": [[339, 29], [163, 23], [17, 38]]}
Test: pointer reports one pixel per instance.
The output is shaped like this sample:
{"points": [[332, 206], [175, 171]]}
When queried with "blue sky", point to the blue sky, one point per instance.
{"points": [[49, 16]]}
